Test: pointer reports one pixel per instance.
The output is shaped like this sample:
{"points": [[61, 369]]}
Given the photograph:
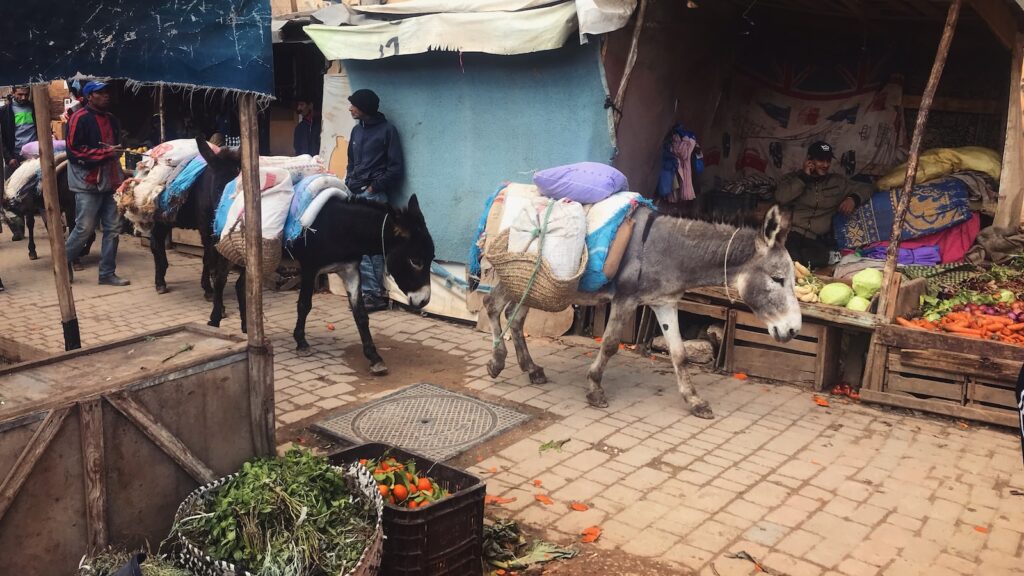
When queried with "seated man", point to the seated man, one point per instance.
{"points": [[815, 196]]}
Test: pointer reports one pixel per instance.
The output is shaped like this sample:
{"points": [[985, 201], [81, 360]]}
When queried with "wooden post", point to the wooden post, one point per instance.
{"points": [[634, 46], [889, 272], [1011, 181], [261, 362], [90, 421], [160, 111], [15, 479], [58, 254]]}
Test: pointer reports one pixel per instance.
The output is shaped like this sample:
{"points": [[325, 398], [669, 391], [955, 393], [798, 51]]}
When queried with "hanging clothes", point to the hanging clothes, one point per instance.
{"points": [[681, 161]]}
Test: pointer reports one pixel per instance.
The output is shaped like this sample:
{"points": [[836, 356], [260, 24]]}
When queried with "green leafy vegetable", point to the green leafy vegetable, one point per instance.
{"points": [[294, 515]]}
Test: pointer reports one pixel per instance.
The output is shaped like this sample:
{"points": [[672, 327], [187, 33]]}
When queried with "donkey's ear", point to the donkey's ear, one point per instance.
{"points": [[414, 205], [775, 228], [205, 151]]}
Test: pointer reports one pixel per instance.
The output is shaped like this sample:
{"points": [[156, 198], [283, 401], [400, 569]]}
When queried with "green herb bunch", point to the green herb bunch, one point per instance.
{"points": [[293, 516]]}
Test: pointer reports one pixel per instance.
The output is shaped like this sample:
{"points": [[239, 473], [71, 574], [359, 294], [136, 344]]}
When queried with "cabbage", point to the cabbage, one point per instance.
{"points": [[836, 294], [859, 304], [867, 282], [1007, 296]]}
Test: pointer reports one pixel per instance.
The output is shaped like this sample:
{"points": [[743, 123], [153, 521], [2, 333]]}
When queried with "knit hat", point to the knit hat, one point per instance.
{"points": [[366, 100]]}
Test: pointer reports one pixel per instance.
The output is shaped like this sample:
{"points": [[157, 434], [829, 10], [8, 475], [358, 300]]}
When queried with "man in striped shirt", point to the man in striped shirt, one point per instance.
{"points": [[94, 173]]}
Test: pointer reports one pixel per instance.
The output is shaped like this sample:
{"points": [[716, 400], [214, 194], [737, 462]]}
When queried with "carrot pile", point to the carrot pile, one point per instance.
{"points": [[972, 324]]}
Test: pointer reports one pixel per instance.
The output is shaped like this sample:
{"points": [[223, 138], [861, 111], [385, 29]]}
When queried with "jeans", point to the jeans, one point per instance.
{"points": [[90, 208], [371, 269]]}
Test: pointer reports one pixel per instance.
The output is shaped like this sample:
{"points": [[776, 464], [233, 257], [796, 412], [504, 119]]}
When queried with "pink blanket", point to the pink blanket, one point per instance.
{"points": [[952, 242]]}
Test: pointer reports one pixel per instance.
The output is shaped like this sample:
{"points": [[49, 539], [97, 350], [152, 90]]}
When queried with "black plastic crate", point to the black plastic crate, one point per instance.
{"points": [[443, 539]]}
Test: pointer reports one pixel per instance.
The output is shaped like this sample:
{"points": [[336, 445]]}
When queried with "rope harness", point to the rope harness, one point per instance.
{"points": [[536, 232]]}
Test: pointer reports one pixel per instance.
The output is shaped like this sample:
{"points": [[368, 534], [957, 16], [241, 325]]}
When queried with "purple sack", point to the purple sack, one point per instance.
{"points": [[583, 182]]}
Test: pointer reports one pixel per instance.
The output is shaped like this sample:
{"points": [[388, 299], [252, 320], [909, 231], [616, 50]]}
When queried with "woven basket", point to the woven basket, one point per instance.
{"points": [[232, 247], [358, 477], [514, 269]]}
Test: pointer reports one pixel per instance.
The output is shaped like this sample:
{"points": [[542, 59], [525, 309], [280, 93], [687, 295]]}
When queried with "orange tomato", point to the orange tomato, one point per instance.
{"points": [[383, 490], [412, 504], [425, 485], [400, 492]]}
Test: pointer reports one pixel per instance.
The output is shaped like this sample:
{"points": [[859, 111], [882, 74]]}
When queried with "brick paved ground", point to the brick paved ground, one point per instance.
{"points": [[848, 490]]}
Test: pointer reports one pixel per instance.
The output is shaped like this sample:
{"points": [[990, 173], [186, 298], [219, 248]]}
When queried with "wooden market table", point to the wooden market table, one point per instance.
{"points": [[101, 444]]}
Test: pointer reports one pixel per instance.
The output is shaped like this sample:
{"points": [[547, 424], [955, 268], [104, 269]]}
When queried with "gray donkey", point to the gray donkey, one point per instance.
{"points": [[665, 257]]}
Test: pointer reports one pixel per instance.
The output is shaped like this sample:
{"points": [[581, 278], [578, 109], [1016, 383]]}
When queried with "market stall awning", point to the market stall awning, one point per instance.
{"points": [[490, 26], [195, 43]]}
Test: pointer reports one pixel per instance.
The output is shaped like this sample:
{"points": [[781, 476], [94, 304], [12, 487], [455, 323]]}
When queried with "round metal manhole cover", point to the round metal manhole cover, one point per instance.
{"points": [[426, 419]]}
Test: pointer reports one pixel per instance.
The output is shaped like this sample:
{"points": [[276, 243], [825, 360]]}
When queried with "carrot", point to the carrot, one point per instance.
{"points": [[906, 323], [1015, 327], [1000, 320], [962, 330]]}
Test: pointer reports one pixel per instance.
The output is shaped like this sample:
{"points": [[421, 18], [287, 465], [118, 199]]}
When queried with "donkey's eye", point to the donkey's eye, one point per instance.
{"points": [[779, 280]]}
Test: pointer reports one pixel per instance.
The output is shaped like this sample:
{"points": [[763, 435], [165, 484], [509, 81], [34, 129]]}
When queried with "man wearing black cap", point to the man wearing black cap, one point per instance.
{"points": [[375, 168], [815, 196]]}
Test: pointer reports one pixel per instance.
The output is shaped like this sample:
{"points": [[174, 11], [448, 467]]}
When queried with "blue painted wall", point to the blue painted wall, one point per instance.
{"points": [[465, 132]]}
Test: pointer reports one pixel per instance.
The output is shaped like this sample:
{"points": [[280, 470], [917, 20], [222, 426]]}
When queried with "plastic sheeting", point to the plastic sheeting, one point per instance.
{"points": [[490, 32], [490, 26], [196, 43]]}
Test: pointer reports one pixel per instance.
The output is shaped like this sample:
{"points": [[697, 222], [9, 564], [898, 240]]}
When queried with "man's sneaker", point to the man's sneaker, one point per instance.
{"points": [[374, 303], [114, 280]]}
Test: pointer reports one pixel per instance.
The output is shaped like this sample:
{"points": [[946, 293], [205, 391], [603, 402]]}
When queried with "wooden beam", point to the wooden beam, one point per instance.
{"points": [[889, 272], [29, 457], [162, 437], [261, 365], [1011, 181], [946, 408], [966, 105], [1000, 19], [90, 416], [58, 254], [634, 46]]}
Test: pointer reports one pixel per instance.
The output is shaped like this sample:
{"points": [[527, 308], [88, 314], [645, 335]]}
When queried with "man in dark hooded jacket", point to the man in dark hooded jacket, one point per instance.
{"points": [[375, 169]]}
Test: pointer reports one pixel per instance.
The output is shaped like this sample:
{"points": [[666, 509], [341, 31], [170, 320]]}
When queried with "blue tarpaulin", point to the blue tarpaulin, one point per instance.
{"points": [[201, 43]]}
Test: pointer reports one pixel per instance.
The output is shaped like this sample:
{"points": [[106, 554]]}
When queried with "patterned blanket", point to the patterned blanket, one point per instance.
{"points": [[934, 206]]}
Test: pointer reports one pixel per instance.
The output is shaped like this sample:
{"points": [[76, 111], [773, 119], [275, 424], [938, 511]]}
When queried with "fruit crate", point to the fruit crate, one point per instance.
{"points": [[810, 358], [443, 539]]}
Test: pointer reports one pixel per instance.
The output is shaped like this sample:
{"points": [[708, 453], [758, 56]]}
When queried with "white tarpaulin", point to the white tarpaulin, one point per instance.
{"points": [[490, 32], [411, 7], [603, 16], [594, 16]]}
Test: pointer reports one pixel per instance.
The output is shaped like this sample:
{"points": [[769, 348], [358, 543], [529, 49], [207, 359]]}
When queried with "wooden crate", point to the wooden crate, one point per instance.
{"points": [[810, 358], [100, 445], [949, 375]]}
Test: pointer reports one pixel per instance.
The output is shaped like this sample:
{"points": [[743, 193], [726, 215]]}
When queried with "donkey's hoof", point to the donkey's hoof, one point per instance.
{"points": [[379, 369], [703, 410], [33, 256], [77, 266], [597, 399], [494, 369], [162, 289], [214, 324], [208, 296], [538, 377], [303, 350]]}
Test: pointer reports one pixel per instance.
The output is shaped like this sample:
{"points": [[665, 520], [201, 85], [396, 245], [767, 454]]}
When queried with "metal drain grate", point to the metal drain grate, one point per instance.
{"points": [[424, 418]]}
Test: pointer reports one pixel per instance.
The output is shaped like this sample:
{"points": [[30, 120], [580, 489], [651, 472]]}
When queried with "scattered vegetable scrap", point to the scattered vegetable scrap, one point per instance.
{"points": [[820, 401], [579, 506], [537, 483], [330, 326], [590, 534], [981, 529], [543, 499], [493, 470], [553, 445], [490, 500], [505, 548], [740, 376]]}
